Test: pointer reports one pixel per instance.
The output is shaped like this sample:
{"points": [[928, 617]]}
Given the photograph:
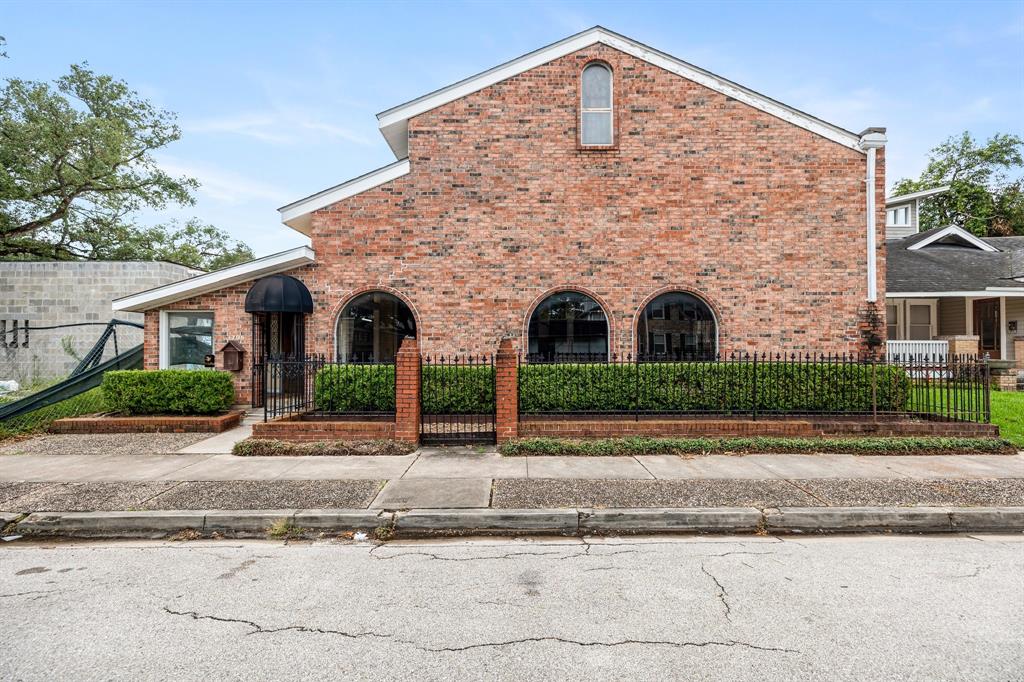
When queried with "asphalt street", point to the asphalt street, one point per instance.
{"points": [[739, 608]]}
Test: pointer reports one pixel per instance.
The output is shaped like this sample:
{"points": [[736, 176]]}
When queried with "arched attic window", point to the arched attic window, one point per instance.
{"points": [[596, 118]]}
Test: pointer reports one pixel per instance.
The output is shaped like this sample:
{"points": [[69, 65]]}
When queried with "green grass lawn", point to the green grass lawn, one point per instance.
{"points": [[1008, 414]]}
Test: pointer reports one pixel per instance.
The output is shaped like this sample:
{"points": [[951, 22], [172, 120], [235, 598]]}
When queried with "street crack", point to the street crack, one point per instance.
{"points": [[258, 629], [622, 642], [722, 594]]}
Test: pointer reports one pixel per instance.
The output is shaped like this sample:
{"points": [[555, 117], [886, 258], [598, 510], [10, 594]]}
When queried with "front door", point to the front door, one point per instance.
{"points": [[987, 327]]}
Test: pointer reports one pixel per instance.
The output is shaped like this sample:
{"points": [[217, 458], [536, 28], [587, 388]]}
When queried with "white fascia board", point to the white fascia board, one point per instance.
{"points": [[907, 198], [957, 231], [394, 122], [988, 292], [212, 281], [297, 214]]}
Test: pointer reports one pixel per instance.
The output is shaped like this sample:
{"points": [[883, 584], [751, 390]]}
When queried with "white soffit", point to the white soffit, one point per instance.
{"points": [[394, 123], [212, 281], [298, 214], [953, 231]]}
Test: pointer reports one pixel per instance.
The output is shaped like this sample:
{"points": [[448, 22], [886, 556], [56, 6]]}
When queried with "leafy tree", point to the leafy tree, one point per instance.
{"points": [[986, 196], [76, 164]]}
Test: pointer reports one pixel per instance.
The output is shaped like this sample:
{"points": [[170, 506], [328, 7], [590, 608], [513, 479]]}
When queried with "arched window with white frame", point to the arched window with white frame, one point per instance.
{"points": [[596, 119]]}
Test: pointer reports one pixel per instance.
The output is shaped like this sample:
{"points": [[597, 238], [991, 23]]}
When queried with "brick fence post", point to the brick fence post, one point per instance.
{"points": [[407, 391], [506, 391]]}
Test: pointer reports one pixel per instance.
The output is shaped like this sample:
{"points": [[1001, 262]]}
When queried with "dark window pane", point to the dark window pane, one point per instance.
{"points": [[568, 323], [190, 339], [684, 321], [372, 326]]}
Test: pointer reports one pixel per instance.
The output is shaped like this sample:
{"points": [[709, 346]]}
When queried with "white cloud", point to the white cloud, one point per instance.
{"points": [[255, 125], [221, 184], [278, 125]]}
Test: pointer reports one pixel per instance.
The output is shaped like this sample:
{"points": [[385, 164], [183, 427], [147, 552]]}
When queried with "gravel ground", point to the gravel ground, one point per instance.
{"points": [[85, 496], [552, 493], [1003, 492], [268, 495], [104, 444], [12, 491]]}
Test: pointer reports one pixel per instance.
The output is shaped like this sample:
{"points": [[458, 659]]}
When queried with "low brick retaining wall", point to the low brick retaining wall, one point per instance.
{"points": [[611, 427], [297, 429], [149, 424]]}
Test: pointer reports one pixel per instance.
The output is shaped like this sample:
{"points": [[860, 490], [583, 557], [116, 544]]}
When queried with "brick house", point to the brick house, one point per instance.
{"points": [[594, 196]]}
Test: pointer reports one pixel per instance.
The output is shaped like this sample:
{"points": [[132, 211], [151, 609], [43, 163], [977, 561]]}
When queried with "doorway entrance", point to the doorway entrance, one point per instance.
{"points": [[987, 326], [278, 305]]}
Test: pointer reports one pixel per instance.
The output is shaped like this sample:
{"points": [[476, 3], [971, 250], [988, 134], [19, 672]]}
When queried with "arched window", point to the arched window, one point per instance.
{"points": [[565, 323], [596, 109], [677, 326], [372, 326]]}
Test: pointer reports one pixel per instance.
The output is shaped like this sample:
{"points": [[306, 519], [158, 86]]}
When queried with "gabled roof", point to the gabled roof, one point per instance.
{"points": [[394, 122], [907, 198], [297, 215], [212, 281], [929, 264], [951, 234]]}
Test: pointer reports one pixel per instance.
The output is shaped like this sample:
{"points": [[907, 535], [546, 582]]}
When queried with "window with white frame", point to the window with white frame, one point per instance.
{"points": [[186, 338], [596, 106], [898, 217]]}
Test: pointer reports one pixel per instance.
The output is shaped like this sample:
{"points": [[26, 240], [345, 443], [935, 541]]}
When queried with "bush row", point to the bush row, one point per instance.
{"points": [[668, 387], [268, 447], [168, 391], [371, 388], [642, 445], [710, 387]]}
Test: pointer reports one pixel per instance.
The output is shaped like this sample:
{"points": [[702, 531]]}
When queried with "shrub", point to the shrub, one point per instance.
{"points": [[710, 387], [643, 445], [168, 391], [455, 389], [355, 388]]}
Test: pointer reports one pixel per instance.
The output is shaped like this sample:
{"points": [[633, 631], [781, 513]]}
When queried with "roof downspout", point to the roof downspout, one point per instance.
{"points": [[871, 140]]}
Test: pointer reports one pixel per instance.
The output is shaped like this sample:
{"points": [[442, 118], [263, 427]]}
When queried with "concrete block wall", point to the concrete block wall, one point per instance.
{"points": [[51, 293]]}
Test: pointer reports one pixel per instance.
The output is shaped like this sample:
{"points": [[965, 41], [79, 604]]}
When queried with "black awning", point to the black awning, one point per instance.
{"points": [[278, 294]]}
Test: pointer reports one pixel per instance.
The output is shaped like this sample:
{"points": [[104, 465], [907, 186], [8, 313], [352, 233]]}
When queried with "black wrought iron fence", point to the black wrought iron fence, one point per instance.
{"points": [[457, 399], [317, 388], [758, 385]]}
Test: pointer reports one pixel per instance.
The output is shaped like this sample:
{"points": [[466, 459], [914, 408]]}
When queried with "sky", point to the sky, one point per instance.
{"points": [[278, 100]]}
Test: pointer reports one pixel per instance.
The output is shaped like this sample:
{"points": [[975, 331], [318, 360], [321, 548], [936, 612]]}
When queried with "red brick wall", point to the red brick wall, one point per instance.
{"points": [[230, 323], [702, 193]]}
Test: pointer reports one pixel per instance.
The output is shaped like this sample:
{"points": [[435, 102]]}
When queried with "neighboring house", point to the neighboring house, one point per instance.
{"points": [[48, 293], [595, 196], [903, 213], [946, 282]]}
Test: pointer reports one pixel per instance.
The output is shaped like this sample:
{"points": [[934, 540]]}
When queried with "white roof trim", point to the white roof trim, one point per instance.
{"points": [[923, 194], [212, 281], [956, 231], [297, 214], [988, 292], [394, 123]]}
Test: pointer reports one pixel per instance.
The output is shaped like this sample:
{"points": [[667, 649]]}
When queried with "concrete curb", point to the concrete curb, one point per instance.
{"points": [[423, 522]]}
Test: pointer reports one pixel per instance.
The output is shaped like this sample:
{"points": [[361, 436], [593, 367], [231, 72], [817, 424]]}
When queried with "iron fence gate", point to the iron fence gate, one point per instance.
{"points": [[457, 400]]}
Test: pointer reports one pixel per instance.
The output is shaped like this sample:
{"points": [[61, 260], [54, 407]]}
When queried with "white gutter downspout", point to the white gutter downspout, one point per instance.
{"points": [[871, 140]]}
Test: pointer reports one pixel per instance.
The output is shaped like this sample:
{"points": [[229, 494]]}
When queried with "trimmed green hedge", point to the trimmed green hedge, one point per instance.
{"points": [[355, 388], [710, 387], [168, 391], [371, 388]]}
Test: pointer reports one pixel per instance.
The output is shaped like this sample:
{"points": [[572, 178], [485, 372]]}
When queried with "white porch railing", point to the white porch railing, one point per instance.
{"points": [[917, 350]]}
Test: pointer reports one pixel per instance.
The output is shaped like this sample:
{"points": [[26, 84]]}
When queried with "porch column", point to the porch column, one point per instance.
{"points": [[407, 392], [506, 387], [1018, 351]]}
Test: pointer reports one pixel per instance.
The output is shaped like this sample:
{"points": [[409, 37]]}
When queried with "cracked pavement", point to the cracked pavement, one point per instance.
{"points": [[738, 608]]}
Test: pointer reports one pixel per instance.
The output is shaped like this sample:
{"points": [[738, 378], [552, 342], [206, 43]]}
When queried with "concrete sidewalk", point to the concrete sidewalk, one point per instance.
{"points": [[445, 478], [486, 463]]}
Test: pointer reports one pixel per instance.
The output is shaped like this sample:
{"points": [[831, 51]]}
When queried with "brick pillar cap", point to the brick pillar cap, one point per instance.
{"points": [[409, 345]]}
